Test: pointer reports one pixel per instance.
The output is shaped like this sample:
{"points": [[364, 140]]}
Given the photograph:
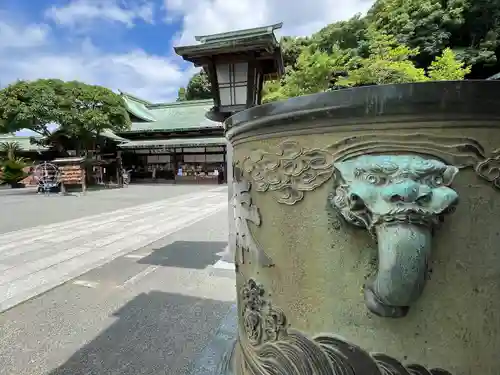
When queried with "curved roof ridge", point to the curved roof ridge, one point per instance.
{"points": [[134, 98], [138, 109]]}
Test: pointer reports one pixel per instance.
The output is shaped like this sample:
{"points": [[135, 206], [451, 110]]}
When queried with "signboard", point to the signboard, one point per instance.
{"points": [[163, 150], [194, 149], [148, 151]]}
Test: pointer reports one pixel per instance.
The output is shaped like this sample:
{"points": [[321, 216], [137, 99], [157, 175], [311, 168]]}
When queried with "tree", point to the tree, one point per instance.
{"points": [[197, 88], [397, 41], [10, 150], [470, 28], [90, 110], [13, 172], [31, 105], [291, 48], [447, 67], [12, 167], [477, 42], [78, 110], [315, 72], [423, 24], [273, 91], [346, 35], [388, 62], [181, 94]]}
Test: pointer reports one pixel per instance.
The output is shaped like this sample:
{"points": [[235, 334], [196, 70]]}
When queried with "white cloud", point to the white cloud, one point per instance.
{"points": [[29, 37], [82, 13], [32, 51], [200, 17], [156, 78]]}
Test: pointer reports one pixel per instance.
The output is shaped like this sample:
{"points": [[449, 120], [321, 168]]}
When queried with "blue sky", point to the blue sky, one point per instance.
{"points": [[127, 44]]}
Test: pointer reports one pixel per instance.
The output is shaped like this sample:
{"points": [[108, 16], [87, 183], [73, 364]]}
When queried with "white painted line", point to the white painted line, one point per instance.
{"points": [[88, 284], [136, 256], [220, 264], [139, 276]]}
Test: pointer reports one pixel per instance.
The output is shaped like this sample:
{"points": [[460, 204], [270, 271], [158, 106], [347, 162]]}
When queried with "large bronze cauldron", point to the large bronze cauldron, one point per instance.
{"points": [[367, 221]]}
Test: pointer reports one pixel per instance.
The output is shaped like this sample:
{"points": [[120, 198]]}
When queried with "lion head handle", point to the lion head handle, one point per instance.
{"points": [[400, 199]]}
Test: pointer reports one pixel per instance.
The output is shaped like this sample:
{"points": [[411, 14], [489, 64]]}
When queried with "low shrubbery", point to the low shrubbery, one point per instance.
{"points": [[12, 172], [11, 166]]}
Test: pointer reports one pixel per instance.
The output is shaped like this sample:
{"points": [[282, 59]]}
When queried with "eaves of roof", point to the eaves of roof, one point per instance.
{"points": [[174, 142]]}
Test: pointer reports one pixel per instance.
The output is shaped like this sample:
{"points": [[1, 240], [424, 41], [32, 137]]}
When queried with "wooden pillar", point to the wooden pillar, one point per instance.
{"points": [[176, 166], [119, 177], [84, 180]]}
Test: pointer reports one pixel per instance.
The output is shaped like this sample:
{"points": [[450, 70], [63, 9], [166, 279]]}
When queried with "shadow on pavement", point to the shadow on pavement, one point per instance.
{"points": [[186, 254], [156, 333]]}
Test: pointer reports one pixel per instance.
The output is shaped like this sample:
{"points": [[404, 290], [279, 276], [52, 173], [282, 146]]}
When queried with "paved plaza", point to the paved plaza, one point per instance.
{"points": [[131, 286], [24, 208]]}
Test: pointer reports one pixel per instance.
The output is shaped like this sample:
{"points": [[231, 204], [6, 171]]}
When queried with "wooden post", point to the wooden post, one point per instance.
{"points": [[84, 180], [119, 177]]}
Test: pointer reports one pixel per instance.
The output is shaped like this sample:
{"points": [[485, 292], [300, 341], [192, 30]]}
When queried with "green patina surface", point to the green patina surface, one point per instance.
{"points": [[232, 40], [110, 135], [175, 142], [239, 34], [177, 116], [138, 109]]}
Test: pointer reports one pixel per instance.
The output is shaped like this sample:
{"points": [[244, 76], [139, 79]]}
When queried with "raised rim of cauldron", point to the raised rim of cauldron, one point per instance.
{"points": [[422, 101]]}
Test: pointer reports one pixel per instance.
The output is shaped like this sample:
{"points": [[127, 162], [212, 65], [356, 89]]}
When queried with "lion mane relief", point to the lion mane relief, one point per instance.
{"points": [[400, 200]]}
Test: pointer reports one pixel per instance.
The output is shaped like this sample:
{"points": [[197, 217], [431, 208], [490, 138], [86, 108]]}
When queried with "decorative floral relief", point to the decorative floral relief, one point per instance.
{"points": [[292, 170], [246, 211], [269, 347], [261, 322], [489, 169]]}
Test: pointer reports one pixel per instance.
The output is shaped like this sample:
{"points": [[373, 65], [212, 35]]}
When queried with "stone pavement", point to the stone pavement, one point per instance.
{"points": [[35, 260], [161, 309], [24, 208]]}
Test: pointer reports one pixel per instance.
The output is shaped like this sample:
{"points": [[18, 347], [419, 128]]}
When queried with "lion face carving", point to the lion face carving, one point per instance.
{"points": [[400, 199]]}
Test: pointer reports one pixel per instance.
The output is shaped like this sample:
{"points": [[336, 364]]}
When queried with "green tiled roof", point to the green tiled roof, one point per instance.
{"points": [[23, 141], [169, 116], [239, 34], [138, 108], [259, 42], [232, 40], [110, 135], [175, 142]]}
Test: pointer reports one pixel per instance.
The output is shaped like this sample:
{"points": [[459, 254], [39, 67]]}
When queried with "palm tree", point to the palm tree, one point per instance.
{"points": [[11, 165], [10, 150]]}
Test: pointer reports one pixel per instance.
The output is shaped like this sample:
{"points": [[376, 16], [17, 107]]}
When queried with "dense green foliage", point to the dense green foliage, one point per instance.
{"points": [[11, 166], [197, 88], [80, 111], [397, 41], [13, 172], [9, 150]]}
